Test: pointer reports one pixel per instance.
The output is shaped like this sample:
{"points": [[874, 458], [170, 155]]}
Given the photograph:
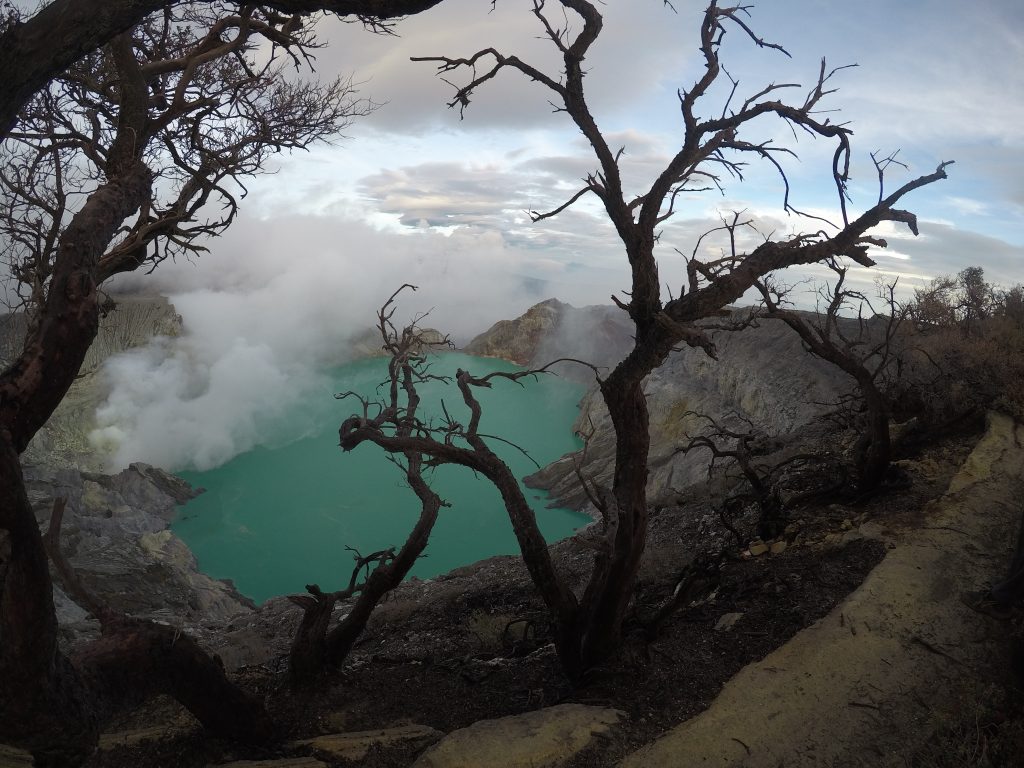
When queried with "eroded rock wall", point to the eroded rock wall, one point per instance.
{"points": [[116, 527], [762, 376], [116, 536], [64, 441]]}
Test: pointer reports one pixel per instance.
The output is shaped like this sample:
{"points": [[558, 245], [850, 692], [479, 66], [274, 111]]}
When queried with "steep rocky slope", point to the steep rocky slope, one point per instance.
{"points": [[599, 335], [132, 322], [762, 376], [116, 536], [115, 531]]}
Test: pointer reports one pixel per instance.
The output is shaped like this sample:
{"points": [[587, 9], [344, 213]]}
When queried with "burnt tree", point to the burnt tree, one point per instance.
{"points": [[317, 644], [862, 347], [744, 446], [589, 626], [395, 425], [38, 48], [182, 96]]}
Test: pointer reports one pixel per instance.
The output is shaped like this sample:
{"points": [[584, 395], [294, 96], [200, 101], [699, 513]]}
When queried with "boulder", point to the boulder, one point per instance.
{"points": [[544, 738]]}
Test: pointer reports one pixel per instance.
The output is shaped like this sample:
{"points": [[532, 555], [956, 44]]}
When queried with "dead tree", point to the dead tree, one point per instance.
{"points": [[317, 644], [590, 626], [743, 446], [182, 97], [864, 348], [38, 48], [199, 109], [397, 427]]}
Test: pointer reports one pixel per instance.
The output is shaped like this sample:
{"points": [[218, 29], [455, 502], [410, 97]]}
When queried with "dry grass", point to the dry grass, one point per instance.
{"points": [[988, 732]]}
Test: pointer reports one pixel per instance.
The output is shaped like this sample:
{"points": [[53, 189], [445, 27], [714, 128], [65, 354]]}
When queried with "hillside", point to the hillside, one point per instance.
{"points": [[131, 322], [763, 379], [464, 662], [599, 335]]}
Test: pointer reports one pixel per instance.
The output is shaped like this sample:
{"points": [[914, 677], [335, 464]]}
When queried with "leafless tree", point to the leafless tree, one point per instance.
{"points": [[863, 346], [108, 170], [395, 425], [589, 626], [317, 644], [36, 49], [745, 447], [209, 117]]}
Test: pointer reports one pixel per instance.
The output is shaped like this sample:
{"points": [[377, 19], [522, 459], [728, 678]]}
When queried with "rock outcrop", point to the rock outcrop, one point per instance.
{"points": [[762, 376], [546, 738], [115, 534], [599, 335], [131, 322]]}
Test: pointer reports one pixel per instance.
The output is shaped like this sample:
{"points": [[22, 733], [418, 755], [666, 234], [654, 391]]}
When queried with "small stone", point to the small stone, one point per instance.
{"points": [[110, 741], [337, 721], [851, 536], [778, 547], [847, 525], [758, 547], [727, 621]]}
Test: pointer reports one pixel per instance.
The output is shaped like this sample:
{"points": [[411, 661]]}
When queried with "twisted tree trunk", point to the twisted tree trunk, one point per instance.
{"points": [[49, 704]]}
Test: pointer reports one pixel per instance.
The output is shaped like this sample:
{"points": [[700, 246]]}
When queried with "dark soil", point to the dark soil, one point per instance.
{"points": [[484, 652], [658, 682]]}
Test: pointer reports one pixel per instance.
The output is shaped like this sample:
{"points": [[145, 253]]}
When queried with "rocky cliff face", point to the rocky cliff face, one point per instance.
{"points": [[116, 536], [131, 323], [115, 530], [600, 335], [763, 375]]}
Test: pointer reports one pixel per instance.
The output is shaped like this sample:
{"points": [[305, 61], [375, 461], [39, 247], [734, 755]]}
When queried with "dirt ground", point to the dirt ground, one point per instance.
{"points": [[478, 648]]}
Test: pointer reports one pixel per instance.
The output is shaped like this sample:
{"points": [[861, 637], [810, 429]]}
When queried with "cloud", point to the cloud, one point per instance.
{"points": [[637, 52], [420, 196], [278, 300]]}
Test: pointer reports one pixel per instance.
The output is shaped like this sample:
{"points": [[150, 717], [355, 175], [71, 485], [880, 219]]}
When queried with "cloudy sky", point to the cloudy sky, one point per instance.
{"points": [[416, 194], [416, 188]]}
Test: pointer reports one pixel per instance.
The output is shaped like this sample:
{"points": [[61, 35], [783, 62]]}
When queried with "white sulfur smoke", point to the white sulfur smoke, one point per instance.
{"points": [[272, 306]]}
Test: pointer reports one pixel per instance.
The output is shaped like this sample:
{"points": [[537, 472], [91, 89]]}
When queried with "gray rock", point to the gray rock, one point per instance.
{"points": [[541, 739], [14, 758], [115, 535], [763, 379], [599, 335], [727, 621]]}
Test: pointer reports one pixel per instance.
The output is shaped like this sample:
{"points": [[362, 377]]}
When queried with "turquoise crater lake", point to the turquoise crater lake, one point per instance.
{"points": [[275, 519]]}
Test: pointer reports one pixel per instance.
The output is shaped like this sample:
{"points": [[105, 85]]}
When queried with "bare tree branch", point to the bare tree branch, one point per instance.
{"points": [[711, 148]]}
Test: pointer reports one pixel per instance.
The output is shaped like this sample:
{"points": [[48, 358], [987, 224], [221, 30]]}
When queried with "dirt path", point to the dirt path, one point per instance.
{"points": [[869, 683]]}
